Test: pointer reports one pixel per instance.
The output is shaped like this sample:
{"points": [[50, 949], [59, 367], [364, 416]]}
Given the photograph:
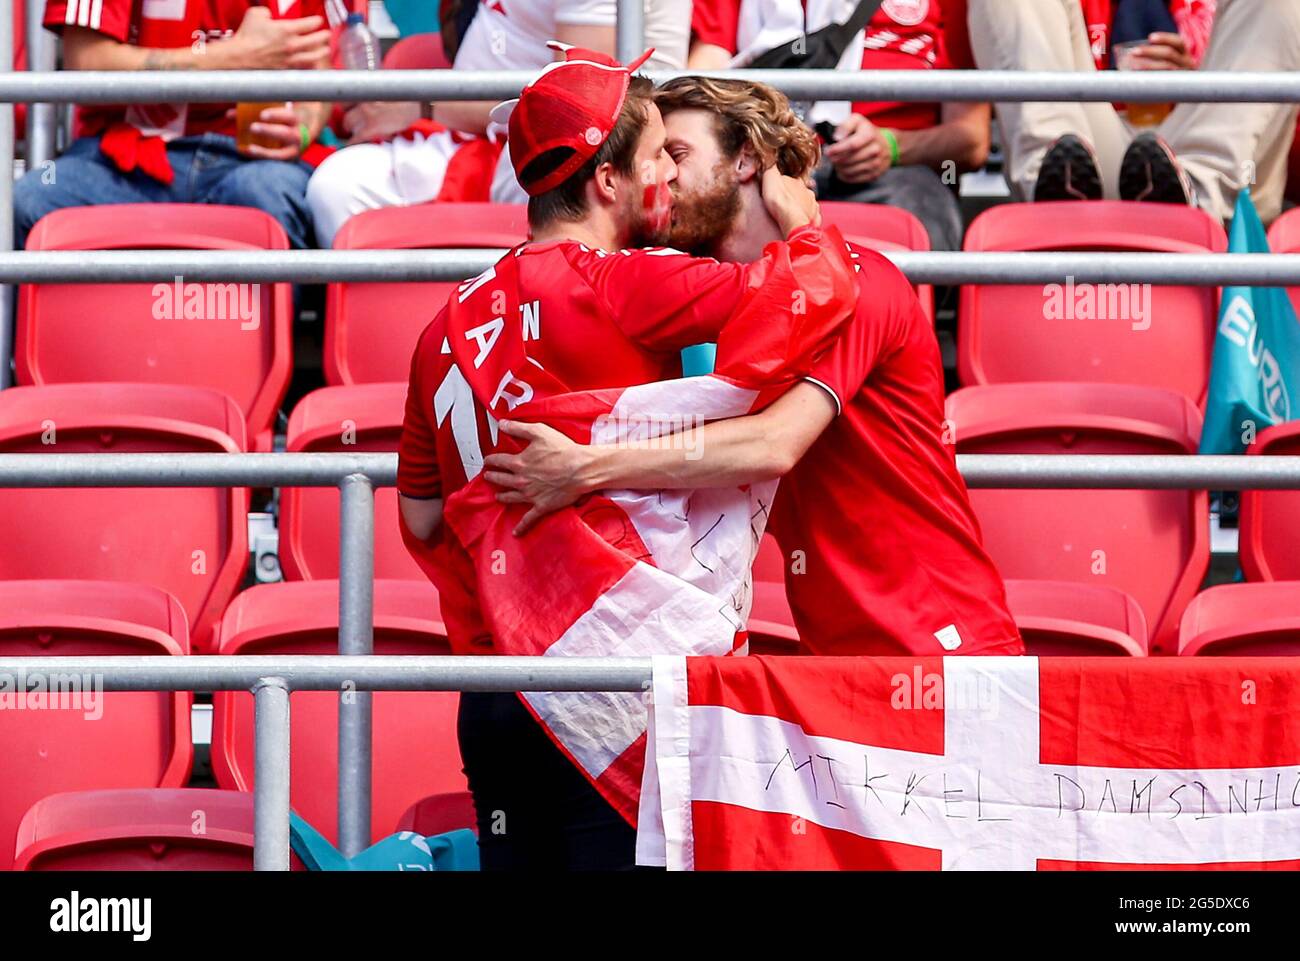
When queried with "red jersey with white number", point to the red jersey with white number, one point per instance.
{"points": [[593, 319], [890, 556], [165, 24]]}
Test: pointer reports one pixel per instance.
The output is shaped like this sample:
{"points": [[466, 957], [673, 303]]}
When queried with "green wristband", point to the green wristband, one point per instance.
{"points": [[892, 139], [304, 137]]}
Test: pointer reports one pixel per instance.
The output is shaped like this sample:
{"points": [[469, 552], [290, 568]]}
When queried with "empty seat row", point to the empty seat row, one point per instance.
{"points": [[91, 738], [236, 338]]}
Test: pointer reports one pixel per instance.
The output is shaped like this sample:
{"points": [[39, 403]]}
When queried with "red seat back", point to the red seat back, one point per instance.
{"points": [[420, 51], [365, 418], [189, 541], [882, 228], [371, 329], [1077, 620], [415, 748], [1150, 544], [1270, 520], [1243, 620], [1097, 333], [83, 737], [234, 338], [439, 814], [160, 829], [771, 623]]}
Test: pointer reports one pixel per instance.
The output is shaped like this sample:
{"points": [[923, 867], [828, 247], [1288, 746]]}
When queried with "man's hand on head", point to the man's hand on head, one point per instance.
{"points": [[860, 153], [550, 473], [790, 201]]}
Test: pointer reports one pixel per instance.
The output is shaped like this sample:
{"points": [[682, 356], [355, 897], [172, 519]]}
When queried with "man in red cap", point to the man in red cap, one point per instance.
{"points": [[588, 145]]}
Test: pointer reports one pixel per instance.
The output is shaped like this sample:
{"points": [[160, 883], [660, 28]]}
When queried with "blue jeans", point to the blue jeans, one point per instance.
{"points": [[914, 188], [209, 170]]}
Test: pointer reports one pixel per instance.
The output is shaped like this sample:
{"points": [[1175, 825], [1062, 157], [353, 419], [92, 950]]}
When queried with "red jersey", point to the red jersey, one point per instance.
{"points": [[914, 35], [891, 556], [901, 35], [593, 319], [164, 24]]}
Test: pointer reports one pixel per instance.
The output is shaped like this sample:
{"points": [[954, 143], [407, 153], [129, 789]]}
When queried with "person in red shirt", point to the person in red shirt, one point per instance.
{"points": [[588, 146], [905, 155], [184, 153], [885, 550]]}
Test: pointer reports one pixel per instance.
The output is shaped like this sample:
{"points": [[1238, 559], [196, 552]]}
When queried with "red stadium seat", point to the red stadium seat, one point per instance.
{"points": [[420, 51], [415, 749], [439, 814], [1284, 238], [883, 228], [1005, 335], [1243, 619], [74, 333], [1151, 544], [1270, 520], [70, 741], [371, 328], [1065, 618], [189, 541], [365, 418], [163, 829], [771, 625]]}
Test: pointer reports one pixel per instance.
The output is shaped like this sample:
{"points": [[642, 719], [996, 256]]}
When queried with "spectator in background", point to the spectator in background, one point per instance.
{"points": [[411, 153], [184, 153], [906, 155], [1202, 153]]}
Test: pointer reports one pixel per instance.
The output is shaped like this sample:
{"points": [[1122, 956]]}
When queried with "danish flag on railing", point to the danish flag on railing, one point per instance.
{"points": [[632, 573], [973, 763]]}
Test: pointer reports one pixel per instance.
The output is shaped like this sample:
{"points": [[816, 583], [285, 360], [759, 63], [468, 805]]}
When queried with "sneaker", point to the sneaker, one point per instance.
{"points": [[1150, 171], [1069, 172]]}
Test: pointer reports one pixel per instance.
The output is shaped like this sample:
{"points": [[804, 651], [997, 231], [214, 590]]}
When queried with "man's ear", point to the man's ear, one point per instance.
{"points": [[747, 165], [603, 184]]}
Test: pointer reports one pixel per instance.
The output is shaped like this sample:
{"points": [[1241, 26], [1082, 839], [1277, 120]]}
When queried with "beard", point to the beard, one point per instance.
{"points": [[704, 217], [649, 217]]}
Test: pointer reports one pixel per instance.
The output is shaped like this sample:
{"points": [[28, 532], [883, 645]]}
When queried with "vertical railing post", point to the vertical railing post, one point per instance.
{"points": [[271, 775], [356, 636], [6, 189], [629, 30], [42, 118]]}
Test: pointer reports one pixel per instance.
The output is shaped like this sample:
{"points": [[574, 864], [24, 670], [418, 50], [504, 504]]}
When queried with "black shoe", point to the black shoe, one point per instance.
{"points": [[1150, 171], [1069, 172]]}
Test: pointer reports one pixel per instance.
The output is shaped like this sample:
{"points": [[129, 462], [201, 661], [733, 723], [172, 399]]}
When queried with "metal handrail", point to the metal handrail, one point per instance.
{"points": [[1001, 471], [412, 266], [224, 86]]}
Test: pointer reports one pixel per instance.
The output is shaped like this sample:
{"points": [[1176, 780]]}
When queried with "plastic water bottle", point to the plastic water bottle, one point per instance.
{"points": [[358, 47]]}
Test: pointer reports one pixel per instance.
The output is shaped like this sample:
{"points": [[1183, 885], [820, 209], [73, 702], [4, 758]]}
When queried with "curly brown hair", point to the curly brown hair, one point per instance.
{"points": [[747, 114]]}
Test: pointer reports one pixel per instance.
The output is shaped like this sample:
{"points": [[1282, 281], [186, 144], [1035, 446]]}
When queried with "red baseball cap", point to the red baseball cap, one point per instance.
{"points": [[573, 104]]}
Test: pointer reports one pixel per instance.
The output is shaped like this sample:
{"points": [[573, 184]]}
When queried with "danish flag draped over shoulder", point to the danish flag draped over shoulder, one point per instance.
{"points": [[965, 763], [629, 573]]}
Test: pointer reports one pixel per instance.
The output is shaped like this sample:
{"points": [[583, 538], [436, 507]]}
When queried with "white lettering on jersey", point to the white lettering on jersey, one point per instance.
{"points": [[469, 286], [486, 335], [454, 397], [532, 319], [513, 400]]}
